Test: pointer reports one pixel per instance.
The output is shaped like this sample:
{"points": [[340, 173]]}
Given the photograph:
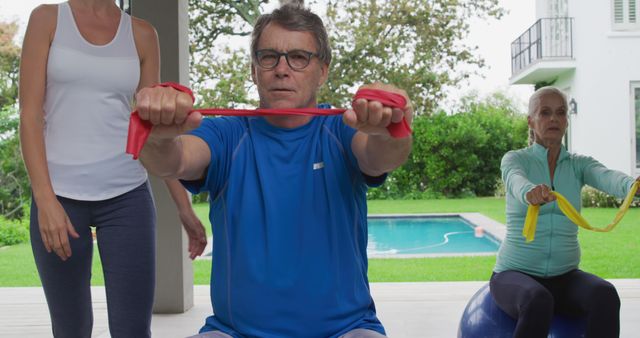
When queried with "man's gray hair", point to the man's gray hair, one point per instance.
{"points": [[534, 104], [294, 16]]}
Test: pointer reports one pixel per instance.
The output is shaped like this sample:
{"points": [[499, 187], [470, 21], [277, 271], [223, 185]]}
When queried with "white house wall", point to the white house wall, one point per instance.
{"points": [[607, 62]]}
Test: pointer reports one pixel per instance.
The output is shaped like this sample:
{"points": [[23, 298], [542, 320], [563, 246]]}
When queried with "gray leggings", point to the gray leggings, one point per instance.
{"points": [[125, 228], [532, 301]]}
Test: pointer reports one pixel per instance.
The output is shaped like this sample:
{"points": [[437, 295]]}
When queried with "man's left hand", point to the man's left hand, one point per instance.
{"points": [[195, 232], [371, 117]]}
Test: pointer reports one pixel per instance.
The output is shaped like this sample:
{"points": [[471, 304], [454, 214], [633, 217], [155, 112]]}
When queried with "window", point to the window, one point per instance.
{"points": [[625, 15]]}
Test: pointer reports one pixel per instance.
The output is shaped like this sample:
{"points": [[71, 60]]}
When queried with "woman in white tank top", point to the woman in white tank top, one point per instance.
{"points": [[82, 63]]}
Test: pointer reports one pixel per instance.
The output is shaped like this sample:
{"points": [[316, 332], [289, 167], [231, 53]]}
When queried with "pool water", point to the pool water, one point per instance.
{"points": [[426, 235]]}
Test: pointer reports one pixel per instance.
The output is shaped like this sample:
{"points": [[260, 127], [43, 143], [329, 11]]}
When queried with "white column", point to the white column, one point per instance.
{"points": [[174, 270]]}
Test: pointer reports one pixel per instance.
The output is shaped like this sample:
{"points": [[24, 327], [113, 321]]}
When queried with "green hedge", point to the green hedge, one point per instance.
{"points": [[13, 232], [14, 182], [458, 155]]}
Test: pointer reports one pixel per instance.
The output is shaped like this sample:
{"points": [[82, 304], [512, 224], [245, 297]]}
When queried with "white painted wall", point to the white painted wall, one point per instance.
{"points": [[542, 8], [607, 63]]}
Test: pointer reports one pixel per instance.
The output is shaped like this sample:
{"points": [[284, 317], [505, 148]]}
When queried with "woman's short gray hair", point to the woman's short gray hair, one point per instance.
{"points": [[294, 17], [534, 100], [534, 104]]}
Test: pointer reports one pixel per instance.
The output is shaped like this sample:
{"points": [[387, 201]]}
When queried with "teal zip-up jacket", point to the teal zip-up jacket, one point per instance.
{"points": [[555, 249]]}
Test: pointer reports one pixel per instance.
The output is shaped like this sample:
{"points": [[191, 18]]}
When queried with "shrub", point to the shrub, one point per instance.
{"points": [[13, 232], [595, 198], [202, 197], [500, 189], [458, 155], [14, 182]]}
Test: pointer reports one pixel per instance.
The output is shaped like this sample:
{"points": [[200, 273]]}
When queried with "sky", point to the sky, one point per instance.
{"points": [[493, 38]]}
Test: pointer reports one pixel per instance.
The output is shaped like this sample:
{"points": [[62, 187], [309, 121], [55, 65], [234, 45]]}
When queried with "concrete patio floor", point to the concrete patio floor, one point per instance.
{"points": [[406, 310]]}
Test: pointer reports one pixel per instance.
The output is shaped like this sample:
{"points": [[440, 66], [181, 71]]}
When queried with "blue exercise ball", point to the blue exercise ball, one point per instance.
{"points": [[482, 318]]}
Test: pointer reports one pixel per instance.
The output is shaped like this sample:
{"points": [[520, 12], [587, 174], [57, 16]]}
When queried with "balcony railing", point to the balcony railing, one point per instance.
{"points": [[547, 38]]}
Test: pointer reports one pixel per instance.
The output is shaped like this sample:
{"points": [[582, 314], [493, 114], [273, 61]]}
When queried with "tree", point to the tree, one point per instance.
{"points": [[227, 72], [230, 88], [14, 183], [414, 44], [210, 20], [9, 64]]}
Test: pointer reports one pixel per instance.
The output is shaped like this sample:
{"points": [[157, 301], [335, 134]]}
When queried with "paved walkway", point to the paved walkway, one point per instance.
{"points": [[407, 310]]}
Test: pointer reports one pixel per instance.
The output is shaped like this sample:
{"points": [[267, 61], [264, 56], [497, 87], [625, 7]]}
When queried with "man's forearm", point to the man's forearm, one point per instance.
{"points": [[384, 154], [162, 157]]}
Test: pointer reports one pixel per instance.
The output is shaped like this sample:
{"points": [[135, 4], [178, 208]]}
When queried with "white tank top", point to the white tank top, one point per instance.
{"points": [[87, 105]]}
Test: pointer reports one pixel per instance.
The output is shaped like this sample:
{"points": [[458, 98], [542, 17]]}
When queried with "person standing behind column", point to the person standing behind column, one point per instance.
{"points": [[82, 62]]}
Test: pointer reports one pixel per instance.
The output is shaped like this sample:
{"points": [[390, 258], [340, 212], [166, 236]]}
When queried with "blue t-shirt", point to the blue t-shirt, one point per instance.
{"points": [[289, 219]]}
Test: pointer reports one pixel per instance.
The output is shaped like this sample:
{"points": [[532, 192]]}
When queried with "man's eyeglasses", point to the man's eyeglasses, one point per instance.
{"points": [[296, 59]]}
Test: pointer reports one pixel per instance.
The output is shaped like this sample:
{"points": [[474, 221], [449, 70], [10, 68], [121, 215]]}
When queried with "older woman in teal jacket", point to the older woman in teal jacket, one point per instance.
{"points": [[532, 280]]}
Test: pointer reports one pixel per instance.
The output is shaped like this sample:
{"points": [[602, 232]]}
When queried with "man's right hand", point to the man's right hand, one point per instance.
{"points": [[168, 110], [541, 194]]}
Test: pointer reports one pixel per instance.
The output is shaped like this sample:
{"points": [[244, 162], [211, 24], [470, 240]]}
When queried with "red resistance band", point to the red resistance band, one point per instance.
{"points": [[139, 129]]}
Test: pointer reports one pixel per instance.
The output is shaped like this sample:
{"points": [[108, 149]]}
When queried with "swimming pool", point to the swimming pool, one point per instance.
{"points": [[426, 235], [418, 236]]}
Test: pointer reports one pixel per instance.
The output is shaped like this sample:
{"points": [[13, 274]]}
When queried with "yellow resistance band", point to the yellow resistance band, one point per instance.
{"points": [[531, 221]]}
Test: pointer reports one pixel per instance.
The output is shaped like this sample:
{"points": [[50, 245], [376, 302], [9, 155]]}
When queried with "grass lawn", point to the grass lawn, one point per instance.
{"points": [[610, 255], [17, 267]]}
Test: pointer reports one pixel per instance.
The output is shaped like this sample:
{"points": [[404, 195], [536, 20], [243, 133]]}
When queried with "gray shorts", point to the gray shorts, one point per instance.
{"points": [[357, 333]]}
